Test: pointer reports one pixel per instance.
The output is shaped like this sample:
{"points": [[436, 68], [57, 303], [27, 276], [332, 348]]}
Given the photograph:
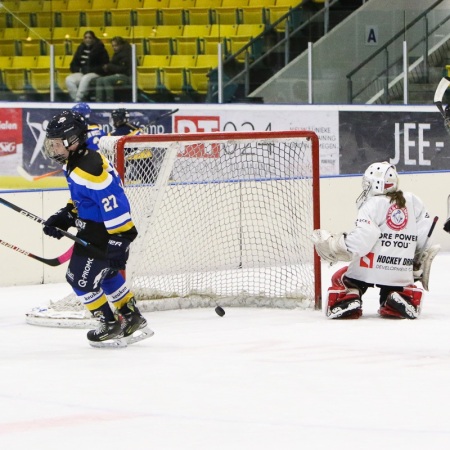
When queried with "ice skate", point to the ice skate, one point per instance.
{"points": [[134, 324], [108, 334]]}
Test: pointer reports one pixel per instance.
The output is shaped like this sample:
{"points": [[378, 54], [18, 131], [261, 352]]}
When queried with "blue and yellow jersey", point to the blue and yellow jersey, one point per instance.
{"points": [[97, 193], [95, 132]]}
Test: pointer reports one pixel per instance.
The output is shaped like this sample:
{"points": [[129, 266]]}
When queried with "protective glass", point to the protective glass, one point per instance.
{"points": [[55, 150]]}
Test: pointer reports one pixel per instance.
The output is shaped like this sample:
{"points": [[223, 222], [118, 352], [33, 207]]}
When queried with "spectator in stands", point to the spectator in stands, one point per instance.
{"points": [[118, 71], [87, 64]]}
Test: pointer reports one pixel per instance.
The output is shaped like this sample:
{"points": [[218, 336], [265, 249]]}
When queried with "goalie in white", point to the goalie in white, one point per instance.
{"points": [[388, 249]]}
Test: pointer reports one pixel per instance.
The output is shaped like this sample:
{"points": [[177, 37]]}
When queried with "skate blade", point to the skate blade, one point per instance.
{"points": [[110, 343], [139, 335]]}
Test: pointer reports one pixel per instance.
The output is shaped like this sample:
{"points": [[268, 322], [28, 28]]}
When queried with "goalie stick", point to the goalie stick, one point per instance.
{"points": [[24, 174], [49, 261], [425, 258], [37, 219]]}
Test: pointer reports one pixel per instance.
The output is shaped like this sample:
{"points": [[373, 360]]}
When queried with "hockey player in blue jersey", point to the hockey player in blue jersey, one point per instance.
{"points": [[95, 131], [100, 210]]}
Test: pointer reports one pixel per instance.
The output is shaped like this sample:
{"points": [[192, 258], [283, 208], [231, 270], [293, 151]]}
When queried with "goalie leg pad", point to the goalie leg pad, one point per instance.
{"points": [[403, 305], [342, 302]]}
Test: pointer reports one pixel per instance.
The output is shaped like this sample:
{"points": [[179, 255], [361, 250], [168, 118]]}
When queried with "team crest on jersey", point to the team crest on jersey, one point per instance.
{"points": [[397, 218]]}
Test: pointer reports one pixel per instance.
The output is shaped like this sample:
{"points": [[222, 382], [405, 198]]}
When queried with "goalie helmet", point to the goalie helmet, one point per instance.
{"points": [[119, 117], [379, 179], [65, 130], [82, 108]]}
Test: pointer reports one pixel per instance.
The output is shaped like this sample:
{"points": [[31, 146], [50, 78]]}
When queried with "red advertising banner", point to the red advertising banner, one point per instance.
{"points": [[10, 130]]}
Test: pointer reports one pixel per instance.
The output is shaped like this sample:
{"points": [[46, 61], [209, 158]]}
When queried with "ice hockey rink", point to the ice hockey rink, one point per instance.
{"points": [[254, 379]]}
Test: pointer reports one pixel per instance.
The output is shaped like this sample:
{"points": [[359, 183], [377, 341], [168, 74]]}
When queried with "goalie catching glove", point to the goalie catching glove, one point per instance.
{"points": [[62, 219], [331, 247]]}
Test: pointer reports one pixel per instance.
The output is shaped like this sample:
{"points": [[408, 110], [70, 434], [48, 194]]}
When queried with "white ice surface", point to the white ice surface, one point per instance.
{"points": [[254, 379]]}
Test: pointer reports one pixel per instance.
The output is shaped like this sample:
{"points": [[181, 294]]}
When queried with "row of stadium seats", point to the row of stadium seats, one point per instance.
{"points": [[149, 17], [85, 5], [176, 73], [163, 39]]}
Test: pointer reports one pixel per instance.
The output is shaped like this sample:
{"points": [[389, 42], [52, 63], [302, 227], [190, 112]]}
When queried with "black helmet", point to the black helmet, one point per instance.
{"points": [[69, 126], [119, 116]]}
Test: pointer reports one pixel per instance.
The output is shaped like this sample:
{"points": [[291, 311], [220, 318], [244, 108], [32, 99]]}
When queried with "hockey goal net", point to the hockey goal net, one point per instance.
{"points": [[223, 218]]}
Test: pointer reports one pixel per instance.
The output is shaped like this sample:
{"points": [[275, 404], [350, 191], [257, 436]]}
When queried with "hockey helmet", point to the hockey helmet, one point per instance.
{"points": [[82, 108], [63, 131], [379, 179], [119, 116]]}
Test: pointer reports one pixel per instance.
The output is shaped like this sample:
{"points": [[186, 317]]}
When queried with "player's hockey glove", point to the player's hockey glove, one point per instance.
{"points": [[62, 219], [447, 225], [118, 251]]}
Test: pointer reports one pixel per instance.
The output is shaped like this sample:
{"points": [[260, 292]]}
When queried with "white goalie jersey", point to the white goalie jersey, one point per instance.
{"points": [[386, 239]]}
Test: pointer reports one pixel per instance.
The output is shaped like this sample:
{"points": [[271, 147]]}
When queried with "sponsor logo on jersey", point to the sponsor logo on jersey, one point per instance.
{"points": [[367, 261], [397, 218]]}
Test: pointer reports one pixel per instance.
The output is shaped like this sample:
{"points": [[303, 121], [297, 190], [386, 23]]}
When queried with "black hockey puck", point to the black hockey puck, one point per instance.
{"points": [[220, 311]]}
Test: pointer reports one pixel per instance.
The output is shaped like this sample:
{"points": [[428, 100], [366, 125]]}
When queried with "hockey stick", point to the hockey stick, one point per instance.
{"points": [[49, 261], [425, 258], [24, 174], [37, 219], [162, 116]]}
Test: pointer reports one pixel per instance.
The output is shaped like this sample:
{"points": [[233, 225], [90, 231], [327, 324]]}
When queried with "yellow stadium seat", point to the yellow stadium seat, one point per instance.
{"points": [[78, 5], [225, 15], [9, 48], [209, 45], [196, 30], [223, 30], [252, 15], [234, 3], [31, 48], [95, 18], [251, 30], [198, 79], [22, 19], [155, 4], [172, 16], [103, 5], [261, 3], [147, 17], [287, 2], [129, 4], [60, 47], [69, 18], [16, 77], [186, 4], [183, 61], [45, 19], [40, 33], [64, 33], [121, 17], [29, 6], [15, 33], [167, 31], [208, 61], [155, 61], [186, 45], [174, 79], [160, 45], [110, 32], [39, 80], [198, 16], [208, 3], [54, 5], [149, 79], [5, 61], [277, 12]]}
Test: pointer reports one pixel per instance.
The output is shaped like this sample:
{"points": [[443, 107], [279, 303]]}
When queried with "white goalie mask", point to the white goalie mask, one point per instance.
{"points": [[379, 179]]}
